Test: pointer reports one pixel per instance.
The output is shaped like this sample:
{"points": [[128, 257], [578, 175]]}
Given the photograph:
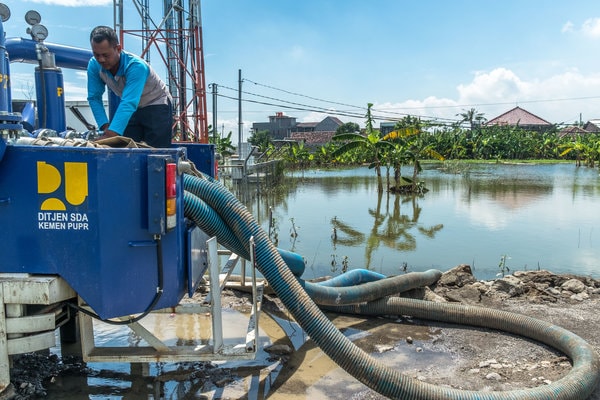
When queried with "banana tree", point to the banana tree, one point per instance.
{"points": [[371, 145], [412, 150], [581, 150], [223, 144]]}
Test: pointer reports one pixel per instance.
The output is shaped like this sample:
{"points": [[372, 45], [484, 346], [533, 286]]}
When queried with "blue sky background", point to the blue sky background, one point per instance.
{"points": [[428, 58]]}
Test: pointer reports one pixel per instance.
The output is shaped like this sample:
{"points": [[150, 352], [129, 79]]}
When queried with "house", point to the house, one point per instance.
{"points": [[593, 125], [279, 126], [572, 131], [521, 118], [315, 134], [283, 127], [386, 127], [326, 125]]}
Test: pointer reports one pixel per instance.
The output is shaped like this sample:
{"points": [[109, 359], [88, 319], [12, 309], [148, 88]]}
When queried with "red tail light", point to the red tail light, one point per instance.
{"points": [[171, 195]]}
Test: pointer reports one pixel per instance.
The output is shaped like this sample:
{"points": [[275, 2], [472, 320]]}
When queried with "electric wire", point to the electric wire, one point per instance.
{"points": [[305, 107], [302, 95], [379, 113]]}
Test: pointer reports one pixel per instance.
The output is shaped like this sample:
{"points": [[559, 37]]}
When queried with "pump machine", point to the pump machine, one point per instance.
{"points": [[88, 228]]}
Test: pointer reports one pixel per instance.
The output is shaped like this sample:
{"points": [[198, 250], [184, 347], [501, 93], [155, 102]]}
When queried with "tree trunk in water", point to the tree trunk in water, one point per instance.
{"points": [[379, 179]]}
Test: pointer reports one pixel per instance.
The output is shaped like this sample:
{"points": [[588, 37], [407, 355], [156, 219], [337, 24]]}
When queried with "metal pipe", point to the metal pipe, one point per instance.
{"points": [[24, 50]]}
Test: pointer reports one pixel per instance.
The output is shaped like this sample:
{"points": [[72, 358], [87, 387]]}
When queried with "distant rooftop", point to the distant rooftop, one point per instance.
{"points": [[518, 116]]}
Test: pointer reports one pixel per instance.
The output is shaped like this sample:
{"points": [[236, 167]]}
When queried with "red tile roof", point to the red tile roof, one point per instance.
{"points": [[314, 138], [518, 116]]}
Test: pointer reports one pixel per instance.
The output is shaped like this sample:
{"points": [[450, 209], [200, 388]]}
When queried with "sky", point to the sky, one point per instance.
{"points": [[314, 58]]}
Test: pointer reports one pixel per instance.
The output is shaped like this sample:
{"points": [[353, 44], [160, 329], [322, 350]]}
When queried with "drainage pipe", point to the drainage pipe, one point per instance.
{"points": [[353, 277], [578, 384]]}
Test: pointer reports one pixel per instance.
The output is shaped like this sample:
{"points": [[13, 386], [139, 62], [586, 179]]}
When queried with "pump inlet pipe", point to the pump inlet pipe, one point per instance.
{"points": [[578, 384]]}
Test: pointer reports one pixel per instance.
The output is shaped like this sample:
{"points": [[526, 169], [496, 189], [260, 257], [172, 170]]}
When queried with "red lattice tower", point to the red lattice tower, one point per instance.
{"points": [[173, 36]]}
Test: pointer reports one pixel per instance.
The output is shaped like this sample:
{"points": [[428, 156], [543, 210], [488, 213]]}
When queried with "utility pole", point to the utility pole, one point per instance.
{"points": [[240, 124], [214, 111]]}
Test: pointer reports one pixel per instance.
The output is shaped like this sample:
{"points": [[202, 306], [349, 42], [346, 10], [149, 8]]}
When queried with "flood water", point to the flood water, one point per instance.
{"points": [[527, 216], [530, 216]]}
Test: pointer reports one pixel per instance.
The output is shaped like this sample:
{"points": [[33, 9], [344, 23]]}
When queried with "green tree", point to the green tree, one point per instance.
{"points": [[324, 155], [411, 146], [473, 117], [348, 127], [260, 139], [371, 145], [223, 145], [298, 155], [585, 150]]}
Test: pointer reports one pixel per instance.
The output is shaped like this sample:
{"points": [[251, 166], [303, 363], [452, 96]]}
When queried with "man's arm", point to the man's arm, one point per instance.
{"points": [[95, 89], [136, 74]]}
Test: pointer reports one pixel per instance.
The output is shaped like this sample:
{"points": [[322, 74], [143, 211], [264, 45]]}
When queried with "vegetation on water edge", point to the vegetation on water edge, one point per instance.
{"points": [[412, 141]]}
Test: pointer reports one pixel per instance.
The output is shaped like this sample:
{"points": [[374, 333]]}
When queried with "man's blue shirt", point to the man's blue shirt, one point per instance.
{"points": [[128, 83]]}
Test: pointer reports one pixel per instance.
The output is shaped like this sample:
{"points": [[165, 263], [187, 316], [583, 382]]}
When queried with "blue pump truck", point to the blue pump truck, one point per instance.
{"points": [[90, 231]]}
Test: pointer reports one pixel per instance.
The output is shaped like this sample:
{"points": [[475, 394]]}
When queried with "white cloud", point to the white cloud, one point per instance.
{"points": [[591, 27], [567, 27], [558, 98], [499, 85]]}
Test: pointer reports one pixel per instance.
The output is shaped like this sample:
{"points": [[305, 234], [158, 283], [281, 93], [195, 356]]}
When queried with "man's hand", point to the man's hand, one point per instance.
{"points": [[108, 134]]}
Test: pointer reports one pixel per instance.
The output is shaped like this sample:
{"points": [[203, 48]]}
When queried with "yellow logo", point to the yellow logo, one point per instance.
{"points": [[50, 181]]}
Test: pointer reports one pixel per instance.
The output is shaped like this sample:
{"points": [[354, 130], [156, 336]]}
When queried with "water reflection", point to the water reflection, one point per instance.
{"points": [[540, 216]]}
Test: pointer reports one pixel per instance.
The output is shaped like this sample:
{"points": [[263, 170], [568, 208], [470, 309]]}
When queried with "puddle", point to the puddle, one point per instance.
{"points": [[307, 372], [310, 374]]}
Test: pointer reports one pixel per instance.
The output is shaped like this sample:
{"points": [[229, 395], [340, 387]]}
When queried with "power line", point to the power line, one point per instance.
{"points": [[298, 107], [338, 103], [314, 108], [427, 107], [310, 108], [376, 113], [302, 95]]}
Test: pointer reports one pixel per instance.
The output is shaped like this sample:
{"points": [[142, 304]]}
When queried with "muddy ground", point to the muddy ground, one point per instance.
{"points": [[438, 353]]}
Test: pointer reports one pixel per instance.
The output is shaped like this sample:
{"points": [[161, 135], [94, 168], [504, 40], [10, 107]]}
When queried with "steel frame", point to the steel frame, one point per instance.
{"points": [[158, 350], [180, 48]]}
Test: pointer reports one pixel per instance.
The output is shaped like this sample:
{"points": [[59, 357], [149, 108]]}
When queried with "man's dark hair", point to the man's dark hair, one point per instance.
{"points": [[102, 33]]}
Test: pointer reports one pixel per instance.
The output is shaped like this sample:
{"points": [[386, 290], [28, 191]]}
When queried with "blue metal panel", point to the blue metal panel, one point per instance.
{"points": [[82, 213], [201, 154], [157, 215]]}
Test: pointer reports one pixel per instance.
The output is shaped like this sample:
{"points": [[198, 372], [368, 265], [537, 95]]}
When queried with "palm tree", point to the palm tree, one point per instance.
{"points": [[370, 144], [473, 117]]}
